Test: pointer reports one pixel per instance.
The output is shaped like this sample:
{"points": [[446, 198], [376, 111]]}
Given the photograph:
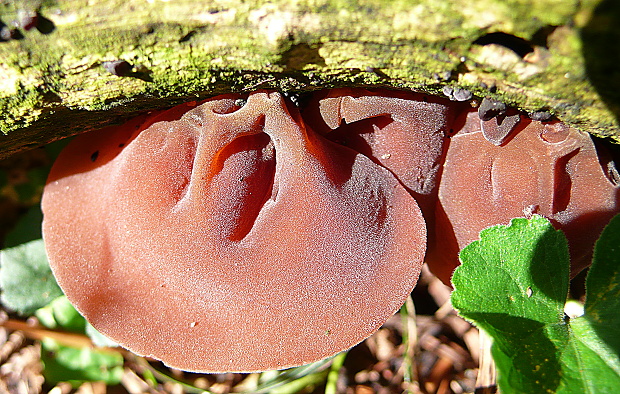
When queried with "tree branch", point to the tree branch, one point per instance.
{"points": [[66, 74]]}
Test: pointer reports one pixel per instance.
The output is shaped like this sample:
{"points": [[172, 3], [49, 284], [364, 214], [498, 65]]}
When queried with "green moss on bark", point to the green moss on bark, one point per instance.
{"points": [[53, 83]]}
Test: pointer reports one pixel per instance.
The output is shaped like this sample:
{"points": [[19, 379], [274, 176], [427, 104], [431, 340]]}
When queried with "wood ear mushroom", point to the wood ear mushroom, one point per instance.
{"points": [[244, 234], [224, 238]]}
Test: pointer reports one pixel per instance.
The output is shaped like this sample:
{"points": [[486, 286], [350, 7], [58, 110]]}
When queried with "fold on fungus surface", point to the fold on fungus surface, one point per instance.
{"points": [[244, 233]]}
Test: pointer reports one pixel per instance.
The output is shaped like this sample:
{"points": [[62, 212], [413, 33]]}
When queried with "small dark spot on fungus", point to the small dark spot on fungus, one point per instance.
{"points": [[269, 220], [28, 20], [461, 94], [119, 68], [8, 33], [540, 116], [490, 108], [457, 94]]}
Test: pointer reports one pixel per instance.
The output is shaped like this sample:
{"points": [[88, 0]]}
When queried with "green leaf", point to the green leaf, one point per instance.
{"points": [[513, 284], [98, 338], [603, 286], [26, 279], [61, 314], [77, 365]]}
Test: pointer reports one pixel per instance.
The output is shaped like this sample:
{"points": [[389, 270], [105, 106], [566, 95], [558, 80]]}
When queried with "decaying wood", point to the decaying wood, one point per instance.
{"points": [[75, 65]]}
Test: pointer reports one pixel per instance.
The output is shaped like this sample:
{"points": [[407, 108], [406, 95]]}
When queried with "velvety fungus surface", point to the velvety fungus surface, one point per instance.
{"points": [[245, 233], [219, 237]]}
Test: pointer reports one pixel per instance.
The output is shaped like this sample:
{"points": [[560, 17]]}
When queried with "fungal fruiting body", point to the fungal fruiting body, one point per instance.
{"points": [[244, 234], [548, 169], [469, 169], [226, 238]]}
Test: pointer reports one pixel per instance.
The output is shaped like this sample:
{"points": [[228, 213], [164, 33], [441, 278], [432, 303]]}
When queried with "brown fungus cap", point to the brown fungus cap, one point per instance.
{"points": [[229, 236], [548, 169], [403, 131]]}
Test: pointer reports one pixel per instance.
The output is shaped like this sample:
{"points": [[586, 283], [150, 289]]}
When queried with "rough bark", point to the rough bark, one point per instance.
{"points": [[551, 55]]}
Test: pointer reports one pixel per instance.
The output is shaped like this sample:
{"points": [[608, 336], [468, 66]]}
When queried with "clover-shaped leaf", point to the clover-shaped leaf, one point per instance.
{"points": [[513, 283]]}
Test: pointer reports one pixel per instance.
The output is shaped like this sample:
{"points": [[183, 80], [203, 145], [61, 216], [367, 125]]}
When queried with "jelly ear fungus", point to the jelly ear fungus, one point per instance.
{"points": [[471, 169], [225, 238], [244, 233], [404, 132], [548, 169]]}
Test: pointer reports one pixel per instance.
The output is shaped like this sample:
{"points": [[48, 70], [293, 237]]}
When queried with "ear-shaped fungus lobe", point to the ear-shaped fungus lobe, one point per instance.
{"points": [[547, 169], [227, 238], [404, 132]]}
